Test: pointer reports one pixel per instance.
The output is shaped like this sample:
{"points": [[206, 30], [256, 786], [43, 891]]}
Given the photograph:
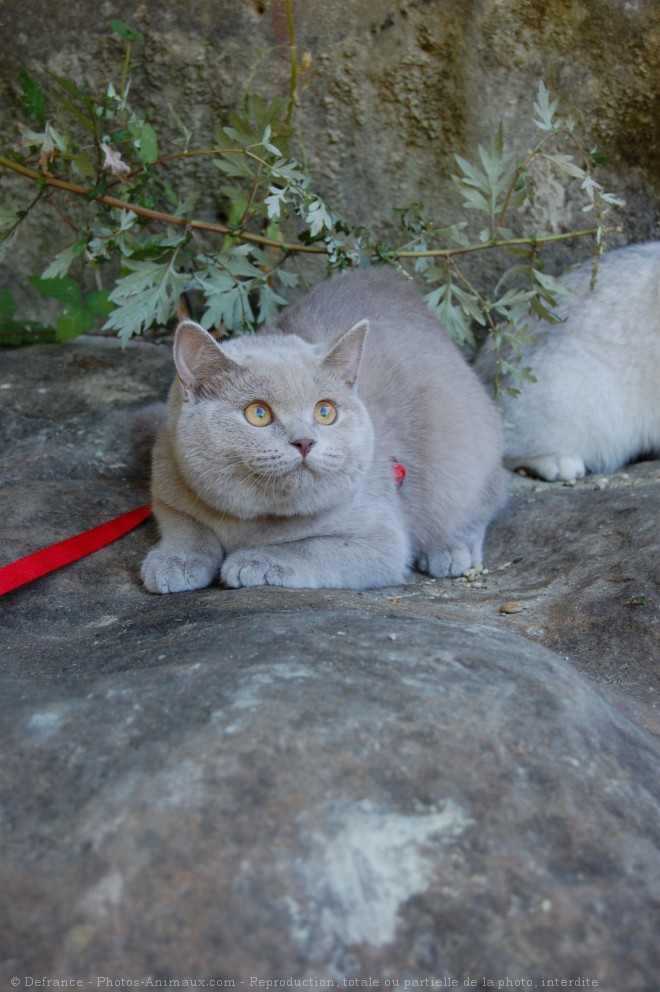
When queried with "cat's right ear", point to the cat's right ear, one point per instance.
{"points": [[346, 353], [198, 358]]}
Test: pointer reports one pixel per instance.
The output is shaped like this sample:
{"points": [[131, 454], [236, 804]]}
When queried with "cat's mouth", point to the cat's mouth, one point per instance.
{"points": [[302, 470]]}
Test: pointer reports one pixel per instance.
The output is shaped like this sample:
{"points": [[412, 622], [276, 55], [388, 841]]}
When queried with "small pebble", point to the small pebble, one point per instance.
{"points": [[511, 608]]}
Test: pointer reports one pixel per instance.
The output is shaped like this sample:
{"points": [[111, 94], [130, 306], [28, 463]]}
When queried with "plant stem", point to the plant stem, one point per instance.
{"points": [[124, 70], [293, 60], [533, 240], [320, 249], [157, 215]]}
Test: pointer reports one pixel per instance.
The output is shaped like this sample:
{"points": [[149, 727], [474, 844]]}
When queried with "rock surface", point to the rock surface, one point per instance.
{"points": [[402, 784]]}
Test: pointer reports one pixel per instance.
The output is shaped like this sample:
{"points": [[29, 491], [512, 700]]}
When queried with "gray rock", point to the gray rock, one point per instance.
{"points": [[268, 784], [326, 793]]}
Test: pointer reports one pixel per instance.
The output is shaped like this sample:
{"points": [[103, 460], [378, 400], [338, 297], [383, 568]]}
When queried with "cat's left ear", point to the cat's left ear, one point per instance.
{"points": [[346, 353]]}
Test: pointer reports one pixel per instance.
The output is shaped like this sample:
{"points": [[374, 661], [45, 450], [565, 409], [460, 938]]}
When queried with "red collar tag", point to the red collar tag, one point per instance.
{"points": [[399, 473]]}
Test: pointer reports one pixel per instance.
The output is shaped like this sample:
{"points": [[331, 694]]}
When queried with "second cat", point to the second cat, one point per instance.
{"points": [[595, 404]]}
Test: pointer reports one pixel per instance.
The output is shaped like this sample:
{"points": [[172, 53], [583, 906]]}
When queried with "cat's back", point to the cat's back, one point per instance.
{"points": [[390, 302], [607, 333], [621, 311], [407, 349]]}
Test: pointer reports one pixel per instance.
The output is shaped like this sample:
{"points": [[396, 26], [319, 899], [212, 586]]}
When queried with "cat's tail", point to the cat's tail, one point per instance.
{"points": [[145, 426]]}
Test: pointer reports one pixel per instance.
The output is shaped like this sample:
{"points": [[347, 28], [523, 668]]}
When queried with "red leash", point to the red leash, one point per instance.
{"points": [[33, 566], [39, 563]]}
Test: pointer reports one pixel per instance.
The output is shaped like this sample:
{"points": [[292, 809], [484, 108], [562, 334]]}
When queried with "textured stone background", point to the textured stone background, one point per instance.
{"points": [[395, 90]]}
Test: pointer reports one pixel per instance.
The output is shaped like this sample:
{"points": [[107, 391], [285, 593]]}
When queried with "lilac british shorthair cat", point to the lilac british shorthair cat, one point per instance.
{"points": [[596, 403], [274, 464]]}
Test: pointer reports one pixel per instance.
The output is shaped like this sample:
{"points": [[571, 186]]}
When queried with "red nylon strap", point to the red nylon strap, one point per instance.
{"points": [[39, 563]]}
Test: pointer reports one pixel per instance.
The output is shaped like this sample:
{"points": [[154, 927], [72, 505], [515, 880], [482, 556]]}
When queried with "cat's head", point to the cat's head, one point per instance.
{"points": [[270, 424]]}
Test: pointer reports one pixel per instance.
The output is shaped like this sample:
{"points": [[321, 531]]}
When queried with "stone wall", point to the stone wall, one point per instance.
{"points": [[395, 89]]}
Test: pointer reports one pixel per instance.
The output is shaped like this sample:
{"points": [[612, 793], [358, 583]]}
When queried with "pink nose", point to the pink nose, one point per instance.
{"points": [[304, 444]]}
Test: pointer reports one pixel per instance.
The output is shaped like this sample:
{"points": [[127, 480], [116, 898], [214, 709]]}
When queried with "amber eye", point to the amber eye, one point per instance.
{"points": [[258, 414], [325, 412]]}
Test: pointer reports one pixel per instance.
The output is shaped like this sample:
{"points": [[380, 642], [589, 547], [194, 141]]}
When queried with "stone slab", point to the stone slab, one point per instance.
{"points": [[398, 784]]}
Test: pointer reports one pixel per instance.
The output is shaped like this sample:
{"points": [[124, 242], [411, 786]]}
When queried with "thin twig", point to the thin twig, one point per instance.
{"points": [[293, 61], [317, 249]]}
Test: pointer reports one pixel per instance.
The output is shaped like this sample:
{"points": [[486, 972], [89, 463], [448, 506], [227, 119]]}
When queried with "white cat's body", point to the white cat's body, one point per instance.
{"points": [[596, 403], [299, 503]]}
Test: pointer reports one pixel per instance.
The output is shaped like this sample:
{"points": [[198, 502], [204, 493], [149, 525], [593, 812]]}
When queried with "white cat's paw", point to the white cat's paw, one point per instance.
{"points": [[556, 467], [253, 568], [167, 571], [447, 562]]}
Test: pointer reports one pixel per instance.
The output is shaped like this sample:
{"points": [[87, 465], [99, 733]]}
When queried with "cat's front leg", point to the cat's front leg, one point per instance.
{"points": [[187, 557], [320, 563]]}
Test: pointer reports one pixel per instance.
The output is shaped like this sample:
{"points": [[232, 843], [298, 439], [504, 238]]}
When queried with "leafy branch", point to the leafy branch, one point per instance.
{"points": [[102, 156]]}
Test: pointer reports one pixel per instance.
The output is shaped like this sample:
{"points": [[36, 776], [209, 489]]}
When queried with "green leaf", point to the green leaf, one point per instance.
{"points": [[513, 303], [474, 200], [15, 333], [98, 303], [553, 285], [62, 262], [545, 109], [71, 88], [318, 217], [7, 305], [123, 31], [79, 318], [73, 322], [566, 164], [7, 242], [34, 102], [269, 303], [186, 134], [234, 165], [471, 173], [83, 165], [146, 142], [227, 298], [455, 318], [147, 294], [231, 308], [64, 289], [288, 279], [537, 308], [275, 202]]}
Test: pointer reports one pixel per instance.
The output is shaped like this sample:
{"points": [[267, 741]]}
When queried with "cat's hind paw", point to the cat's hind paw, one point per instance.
{"points": [[170, 571]]}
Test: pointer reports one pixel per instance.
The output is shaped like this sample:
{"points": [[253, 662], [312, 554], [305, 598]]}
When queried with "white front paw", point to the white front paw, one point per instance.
{"points": [[245, 568], [171, 571]]}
